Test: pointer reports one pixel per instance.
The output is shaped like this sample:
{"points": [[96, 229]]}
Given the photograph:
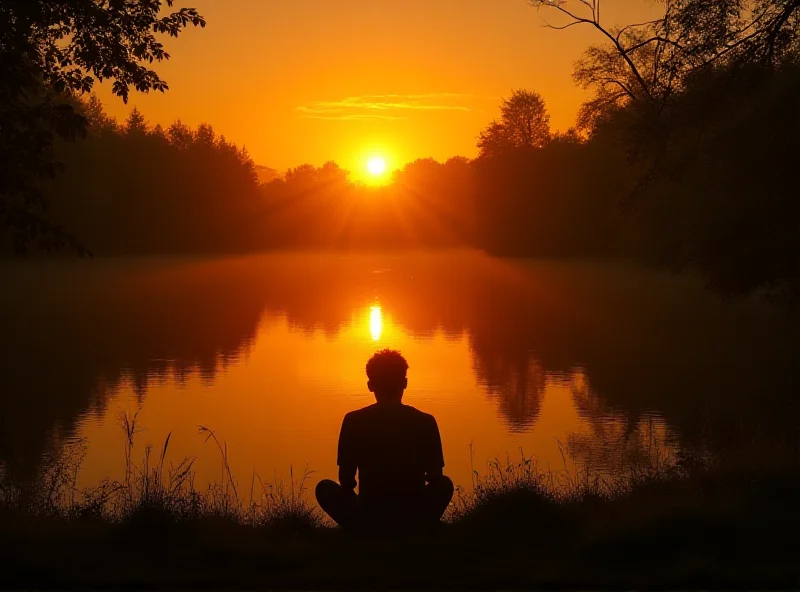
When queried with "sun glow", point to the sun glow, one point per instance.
{"points": [[376, 166]]}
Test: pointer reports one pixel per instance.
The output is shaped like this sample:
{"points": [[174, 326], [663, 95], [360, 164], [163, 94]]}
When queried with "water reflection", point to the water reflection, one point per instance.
{"points": [[616, 441], [73, 334], [518, 385], [508, 353], [375, 322]]}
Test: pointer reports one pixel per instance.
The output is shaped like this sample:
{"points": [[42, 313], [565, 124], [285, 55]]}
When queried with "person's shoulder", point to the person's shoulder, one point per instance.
{"points": [[359, 412], [420, 415]]}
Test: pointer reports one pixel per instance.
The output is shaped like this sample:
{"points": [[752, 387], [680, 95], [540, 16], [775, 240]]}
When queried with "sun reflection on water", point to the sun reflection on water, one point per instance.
{"points": [[375, 322]]}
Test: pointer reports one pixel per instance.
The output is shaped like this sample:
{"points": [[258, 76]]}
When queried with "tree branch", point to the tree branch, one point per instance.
{"points": [[776, 28], [635, 25], [557, 5], [563, 27], [651, 40], [622, 85], [594, 21]]}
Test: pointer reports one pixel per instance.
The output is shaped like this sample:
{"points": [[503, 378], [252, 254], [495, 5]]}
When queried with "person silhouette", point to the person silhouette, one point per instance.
{"points": [[396, 451]]}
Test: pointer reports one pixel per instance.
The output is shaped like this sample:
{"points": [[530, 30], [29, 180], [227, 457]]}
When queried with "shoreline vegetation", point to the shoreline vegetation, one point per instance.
{"points": [[689, 521]]}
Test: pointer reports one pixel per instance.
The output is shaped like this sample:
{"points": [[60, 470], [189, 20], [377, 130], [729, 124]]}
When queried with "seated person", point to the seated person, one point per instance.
{"points": [[396, 451]]}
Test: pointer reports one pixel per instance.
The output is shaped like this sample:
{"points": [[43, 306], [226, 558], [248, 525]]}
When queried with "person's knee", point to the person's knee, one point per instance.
{"points": [[338, 503], [326, 490], [447, 484], [444, 487], [440, 495]]}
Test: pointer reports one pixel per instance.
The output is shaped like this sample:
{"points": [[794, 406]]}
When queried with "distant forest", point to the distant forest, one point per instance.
{"points": [[728, 193], [684, 155]]}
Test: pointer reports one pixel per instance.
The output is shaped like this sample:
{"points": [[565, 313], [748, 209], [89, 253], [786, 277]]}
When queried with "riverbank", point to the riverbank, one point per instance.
{"points": [[694, 523]]}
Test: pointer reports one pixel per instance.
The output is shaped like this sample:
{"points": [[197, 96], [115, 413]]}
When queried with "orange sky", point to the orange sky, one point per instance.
{"points": [[315, 80]]}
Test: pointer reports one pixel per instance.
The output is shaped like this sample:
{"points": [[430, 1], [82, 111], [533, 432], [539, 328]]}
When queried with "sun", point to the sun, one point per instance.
{"points": [[376, 166]]}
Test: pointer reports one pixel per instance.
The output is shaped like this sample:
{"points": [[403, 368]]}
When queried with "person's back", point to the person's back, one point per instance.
{"points": [[394, 447], [396, 451]]}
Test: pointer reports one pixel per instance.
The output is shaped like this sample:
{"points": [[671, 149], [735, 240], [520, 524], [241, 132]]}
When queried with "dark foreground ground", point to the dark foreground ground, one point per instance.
{"points": [[703, 529]]}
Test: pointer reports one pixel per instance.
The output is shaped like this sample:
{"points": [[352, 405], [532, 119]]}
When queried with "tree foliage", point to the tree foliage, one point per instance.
{"points": [[650, 63], [704, 99], [524, 123], [50, 52]]}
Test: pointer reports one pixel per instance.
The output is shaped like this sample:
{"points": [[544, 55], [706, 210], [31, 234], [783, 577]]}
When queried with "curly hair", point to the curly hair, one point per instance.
{"points": [[387, 365]]}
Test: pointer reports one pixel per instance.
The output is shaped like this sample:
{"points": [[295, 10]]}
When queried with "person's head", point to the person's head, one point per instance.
{"points": [[386, 371]]}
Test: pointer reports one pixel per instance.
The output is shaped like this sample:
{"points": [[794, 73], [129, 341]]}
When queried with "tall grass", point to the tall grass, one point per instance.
{"points": [[153, 489], [576, 481]]}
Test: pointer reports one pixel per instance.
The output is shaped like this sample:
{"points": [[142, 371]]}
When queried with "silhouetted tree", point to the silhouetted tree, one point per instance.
{"points": [[494, 141], [205, 135], [135, 124], [301, 175], [524, 123], [733, 31], [96, 118], [649, 63], [50, 49], [180, 135], [689, 95], [332, 173], [138, 189], [266, 174]]}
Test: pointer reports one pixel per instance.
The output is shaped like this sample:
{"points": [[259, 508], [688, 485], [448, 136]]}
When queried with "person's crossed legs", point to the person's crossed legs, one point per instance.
{"points": [[339, 504], [345, 509]]}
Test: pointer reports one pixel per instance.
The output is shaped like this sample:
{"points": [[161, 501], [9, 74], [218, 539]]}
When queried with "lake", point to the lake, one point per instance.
{"points": [[569, 362]]}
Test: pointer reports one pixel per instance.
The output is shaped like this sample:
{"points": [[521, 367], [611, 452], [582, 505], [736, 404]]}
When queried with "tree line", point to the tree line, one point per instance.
{"points": [[427, 204], [682, 155], [131, 188]]}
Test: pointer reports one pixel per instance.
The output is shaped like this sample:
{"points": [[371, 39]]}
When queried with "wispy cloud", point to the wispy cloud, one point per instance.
{"points": [[387, 107]]}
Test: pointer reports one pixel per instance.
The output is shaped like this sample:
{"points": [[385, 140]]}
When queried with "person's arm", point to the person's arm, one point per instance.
{"points": [[347, 477], [347, 461], [435, 454]]}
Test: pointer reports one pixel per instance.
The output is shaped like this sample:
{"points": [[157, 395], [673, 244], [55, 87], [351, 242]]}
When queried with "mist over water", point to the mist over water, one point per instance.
{"points": [[568, 362]]}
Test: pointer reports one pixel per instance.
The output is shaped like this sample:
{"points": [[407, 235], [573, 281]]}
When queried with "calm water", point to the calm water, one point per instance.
{"points": [[594, 360]]}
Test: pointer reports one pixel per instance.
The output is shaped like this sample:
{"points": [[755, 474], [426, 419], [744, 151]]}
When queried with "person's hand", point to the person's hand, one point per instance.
{"points": [[433, 475]]}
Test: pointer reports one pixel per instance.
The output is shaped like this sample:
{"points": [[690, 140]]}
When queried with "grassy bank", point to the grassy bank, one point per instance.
{"points": [[693, 522]]}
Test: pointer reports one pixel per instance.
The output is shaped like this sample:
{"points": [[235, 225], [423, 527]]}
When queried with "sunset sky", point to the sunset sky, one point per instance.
{"points": [[315, 80]]}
